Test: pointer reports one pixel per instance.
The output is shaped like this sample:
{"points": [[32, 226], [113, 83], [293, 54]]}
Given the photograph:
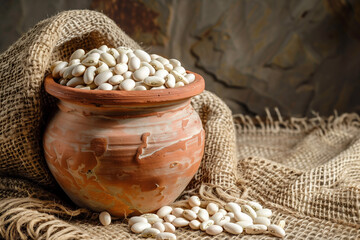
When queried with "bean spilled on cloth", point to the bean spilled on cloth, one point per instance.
{"points": [[120, 68], [233, 218]]}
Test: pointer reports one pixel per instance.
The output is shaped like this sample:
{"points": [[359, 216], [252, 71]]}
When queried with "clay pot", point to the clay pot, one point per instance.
{"points": [[124, 152]]}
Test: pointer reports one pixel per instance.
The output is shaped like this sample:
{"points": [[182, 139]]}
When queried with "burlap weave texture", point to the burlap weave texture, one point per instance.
{"points": [[306, 170]]}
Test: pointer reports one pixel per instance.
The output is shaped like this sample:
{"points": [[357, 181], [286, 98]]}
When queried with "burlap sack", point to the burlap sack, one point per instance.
{"points": [[306, 170]]}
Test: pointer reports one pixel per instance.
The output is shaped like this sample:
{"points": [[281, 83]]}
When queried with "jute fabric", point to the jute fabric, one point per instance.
{"points": [[306, 170]]}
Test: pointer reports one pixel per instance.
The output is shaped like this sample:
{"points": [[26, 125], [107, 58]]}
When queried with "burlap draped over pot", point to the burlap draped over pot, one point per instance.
{"points": [[306, 170]]}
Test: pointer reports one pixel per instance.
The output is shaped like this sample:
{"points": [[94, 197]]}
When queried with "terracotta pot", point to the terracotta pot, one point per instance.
{"points": [[124, 152]]}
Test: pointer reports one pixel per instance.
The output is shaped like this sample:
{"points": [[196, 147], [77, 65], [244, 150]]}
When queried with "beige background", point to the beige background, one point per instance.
{"points": [[300, 56]]}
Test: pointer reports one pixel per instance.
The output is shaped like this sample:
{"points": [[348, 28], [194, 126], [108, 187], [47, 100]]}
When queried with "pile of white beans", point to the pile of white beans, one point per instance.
{"points": [[250, 218], [120, 68]]}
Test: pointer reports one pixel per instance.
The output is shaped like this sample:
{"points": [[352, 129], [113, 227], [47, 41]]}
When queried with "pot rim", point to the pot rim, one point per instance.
{"points": [[103, 97]]}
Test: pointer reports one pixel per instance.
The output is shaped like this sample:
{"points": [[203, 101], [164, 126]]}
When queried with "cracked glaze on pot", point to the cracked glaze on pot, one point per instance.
{"points": [[125, 158]]}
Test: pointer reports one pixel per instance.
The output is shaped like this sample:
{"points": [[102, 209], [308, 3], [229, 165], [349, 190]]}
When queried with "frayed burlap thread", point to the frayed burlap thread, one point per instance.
{"points": [[305, 169]]}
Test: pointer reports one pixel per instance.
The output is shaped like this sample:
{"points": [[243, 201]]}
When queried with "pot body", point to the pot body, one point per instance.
{"points": [[124, 159]]}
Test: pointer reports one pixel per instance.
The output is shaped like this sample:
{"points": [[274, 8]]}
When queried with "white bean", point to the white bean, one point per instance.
{"points": [[276, 230], [162, 73], [163, 211], [105, 86], [78, 54], [61, 73], [139, 227], [249, 211], [233, 228], [142, 55], [190, 77], [262, 220], [78, 70], [244, 224], [166, 236], [206, 224], [168, 67], [156, 65], [189, 214], [68, 72], [150, 232], [152, 218], [103, 48], [63, 82], [154, 56], [102, 67], [103, 77], [140, 88], [116, 79], [179, 77], [264, 212], [105, 218], [212, 208], [93, 51], [127, 84], [75, 81], [223, 211], [136, 219], [214, 230], [134, 63], [175, 62], [196, 209], [128, 74], [170, 81], [217, 216], [203, 215], [79, 86], [57, 68], [91, 60], [179, 84], [163, 60], [230, 214], [255, 229], [74, 62], [123, 49], [160, 226], [180, 222], [154, 81], [151, 68], [108, 59], [233, 207], [169, 227], [141, 73], [240, 216], [177, 212], [113, 52], [256, 206], [86, 88], [89, 74], [54, 65], [223, 220], [115, 87], [158, 88], [168, 218], [180, 70], [120, 68], [130, 55], [122, 58], [194, 224]]}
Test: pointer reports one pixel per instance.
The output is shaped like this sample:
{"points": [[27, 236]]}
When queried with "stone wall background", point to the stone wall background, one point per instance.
{"points": [[299, 56]]}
